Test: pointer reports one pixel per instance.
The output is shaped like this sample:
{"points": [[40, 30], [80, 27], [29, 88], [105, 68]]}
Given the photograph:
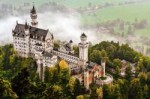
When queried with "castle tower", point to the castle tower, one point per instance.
{"points": [[86, 79], [26, 28], [27, 39], [83, 48], [49, 42], [103, 64], [40, 68], [33, 16], [71, 46]]}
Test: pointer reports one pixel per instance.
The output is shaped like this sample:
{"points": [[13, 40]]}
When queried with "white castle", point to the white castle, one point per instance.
{"points": [[31, 41]]}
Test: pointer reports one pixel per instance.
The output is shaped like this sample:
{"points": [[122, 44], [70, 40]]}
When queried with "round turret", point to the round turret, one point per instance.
{"points": [[70, 41], [33, 16], [26, 28], [83, 37], [33, 11], [83, 49], [71, 45]]}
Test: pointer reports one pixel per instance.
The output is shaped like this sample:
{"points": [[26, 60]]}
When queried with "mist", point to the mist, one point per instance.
{"points": [[64, 26]]}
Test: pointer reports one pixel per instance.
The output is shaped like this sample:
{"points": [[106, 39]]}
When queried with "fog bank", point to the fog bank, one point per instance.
{"points": [[65, 27]]}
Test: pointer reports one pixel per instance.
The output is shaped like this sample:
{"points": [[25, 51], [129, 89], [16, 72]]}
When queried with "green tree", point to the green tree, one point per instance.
{"points": [[39, 90], [145, 92], [6, 91], [104, 53], [137, 71], [76, 50], [112, 91], [73, 88], [146, 62], [135, 89], [118, 71], [94, 93], [143, 78], [80, 97], [99, 92], [124, 88], [117, 62], [64, 76], [140, 64], [54, 92], [21, 83], [128, 73], [47, 77], [95, 56]]}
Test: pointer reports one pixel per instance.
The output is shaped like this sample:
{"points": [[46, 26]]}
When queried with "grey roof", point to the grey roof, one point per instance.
{"points": [[68, 47], [47, 54], [52, 36], [83, 35], [91, 64], [39, 50], [26, 26], [33, 11], [70, 41], [35, 33], [38, 44]]}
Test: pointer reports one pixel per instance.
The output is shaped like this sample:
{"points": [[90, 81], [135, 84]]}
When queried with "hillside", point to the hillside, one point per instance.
{"points": [[128, 21], [18, 77]]}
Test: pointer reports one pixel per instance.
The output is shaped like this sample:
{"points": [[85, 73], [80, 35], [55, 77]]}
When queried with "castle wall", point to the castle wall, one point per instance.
{"points": [[43, 41], [33, 46], [21, 46], [67, 57], [49, 61]]}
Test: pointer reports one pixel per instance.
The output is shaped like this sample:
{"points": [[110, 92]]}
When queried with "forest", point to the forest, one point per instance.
{"points": [[18, 77], [127, 21]]}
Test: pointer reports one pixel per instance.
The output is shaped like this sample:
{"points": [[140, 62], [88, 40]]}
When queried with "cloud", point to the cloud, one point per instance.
{"points": [[65, 27], [6, 26]]}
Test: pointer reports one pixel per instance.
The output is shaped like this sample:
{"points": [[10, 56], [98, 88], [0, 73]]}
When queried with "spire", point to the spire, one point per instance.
{"points": [[83, 35], [70, 41], [33, 11], [83, 38], [33, 16], [26, 25], [52, 36]]}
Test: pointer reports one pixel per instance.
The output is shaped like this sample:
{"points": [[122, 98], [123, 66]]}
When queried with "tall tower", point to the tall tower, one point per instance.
{"points": [[40, 65], [33, 16], [103, 64], [27, 39], [49, 42], [83, 48], [86, 79], [41, 69]]}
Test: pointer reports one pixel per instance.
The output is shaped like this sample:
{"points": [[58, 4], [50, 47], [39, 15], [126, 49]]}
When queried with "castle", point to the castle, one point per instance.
{"points": [[31, 41]]}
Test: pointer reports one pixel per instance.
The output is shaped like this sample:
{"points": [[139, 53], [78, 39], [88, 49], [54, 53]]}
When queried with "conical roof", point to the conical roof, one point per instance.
{"points": [[33, 11], [26, 25], [83, 35]]}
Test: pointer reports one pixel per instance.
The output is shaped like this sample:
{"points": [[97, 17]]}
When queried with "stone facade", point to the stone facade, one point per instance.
{"points": [[31, 41]]}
